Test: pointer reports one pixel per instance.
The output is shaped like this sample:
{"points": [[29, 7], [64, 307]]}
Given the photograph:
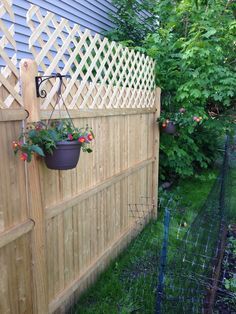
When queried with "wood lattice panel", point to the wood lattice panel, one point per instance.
{"points": [[9, 74], [102, 74]]}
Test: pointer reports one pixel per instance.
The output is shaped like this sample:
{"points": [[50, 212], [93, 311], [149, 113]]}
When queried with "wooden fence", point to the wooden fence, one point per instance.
{"points": [[59, 229]]}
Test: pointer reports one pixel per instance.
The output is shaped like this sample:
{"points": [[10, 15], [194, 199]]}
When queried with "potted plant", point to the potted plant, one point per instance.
{"points": [[59, 143], [168, 122], [181, 118], [169, 127]]}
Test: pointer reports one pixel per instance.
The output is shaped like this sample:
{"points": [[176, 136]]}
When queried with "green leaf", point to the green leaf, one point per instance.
{"points": [[195, 93], [38, 150], [32, 133], [209, 33]]}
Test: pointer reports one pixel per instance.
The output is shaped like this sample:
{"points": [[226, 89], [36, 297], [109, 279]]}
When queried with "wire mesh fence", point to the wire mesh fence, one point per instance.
{"points": [[188, 277]]}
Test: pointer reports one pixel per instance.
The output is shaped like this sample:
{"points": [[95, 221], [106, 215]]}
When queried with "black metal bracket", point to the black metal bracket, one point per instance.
{"points": [[40, 79]]}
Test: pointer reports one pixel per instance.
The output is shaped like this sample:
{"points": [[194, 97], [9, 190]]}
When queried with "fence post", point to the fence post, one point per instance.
{"points": [[156, 144], [28, 71], [163, 262]]}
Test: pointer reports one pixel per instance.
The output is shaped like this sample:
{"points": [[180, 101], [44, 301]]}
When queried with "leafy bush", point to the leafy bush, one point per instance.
{"points": [[194, 47]]}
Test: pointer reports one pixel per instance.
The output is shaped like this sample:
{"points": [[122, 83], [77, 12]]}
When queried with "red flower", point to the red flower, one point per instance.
{"points": [[24, 156], [14, 144], [20, 144], [82, 139], [90, 137], [70, 137], [38, 126], [197, 119]]}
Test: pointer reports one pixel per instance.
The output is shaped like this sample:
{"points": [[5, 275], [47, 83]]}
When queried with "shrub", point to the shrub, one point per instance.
{"points": [[194, 48]]}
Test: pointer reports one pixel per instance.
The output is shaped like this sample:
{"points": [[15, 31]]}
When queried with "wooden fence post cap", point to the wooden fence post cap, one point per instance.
{"points": [[28, 72], [27, 64]]}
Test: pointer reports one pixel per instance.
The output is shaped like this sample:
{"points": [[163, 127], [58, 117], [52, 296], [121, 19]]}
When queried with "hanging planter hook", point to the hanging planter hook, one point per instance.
{"points": [[40, 79], [60, 84]]}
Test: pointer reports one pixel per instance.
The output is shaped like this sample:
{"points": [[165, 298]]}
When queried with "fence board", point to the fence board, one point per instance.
{"points": [[15, 284], [12, 114], [13, 200], [15, 232], [15, 227]]}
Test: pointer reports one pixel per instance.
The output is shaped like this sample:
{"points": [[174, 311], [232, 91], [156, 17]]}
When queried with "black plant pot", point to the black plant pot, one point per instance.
{"points": [[65, 156], [170, 128]]}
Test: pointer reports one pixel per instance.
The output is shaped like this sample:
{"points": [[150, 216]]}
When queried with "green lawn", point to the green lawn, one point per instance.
{"points": [[128, 285]]}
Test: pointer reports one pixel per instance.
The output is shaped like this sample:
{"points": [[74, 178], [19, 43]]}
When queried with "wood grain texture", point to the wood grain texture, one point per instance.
{"points": [[57, 209], [12, 114], [156, 145], [93, 113], [15, 232], [28, 70], [15, 283], [13, 199], [88, 208]]}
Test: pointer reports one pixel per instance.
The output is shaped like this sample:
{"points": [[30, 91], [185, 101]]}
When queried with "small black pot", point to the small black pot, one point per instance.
{"points": [[65, 156], [170, 128]]}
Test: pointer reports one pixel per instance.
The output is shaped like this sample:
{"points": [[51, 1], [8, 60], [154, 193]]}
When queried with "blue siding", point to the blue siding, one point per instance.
{"points": [[91, 14]]}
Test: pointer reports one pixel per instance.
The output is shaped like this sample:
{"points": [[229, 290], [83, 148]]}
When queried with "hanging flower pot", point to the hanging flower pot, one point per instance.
{"points": [[65, 156], [169, 127], [58, 142]]}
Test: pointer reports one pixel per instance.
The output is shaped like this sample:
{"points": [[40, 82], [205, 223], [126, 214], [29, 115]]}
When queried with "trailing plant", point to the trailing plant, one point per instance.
{"points": [[41, 139], [194, 47]]}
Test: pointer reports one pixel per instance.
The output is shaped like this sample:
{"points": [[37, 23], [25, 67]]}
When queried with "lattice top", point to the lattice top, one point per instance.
{"points": [[103, 74], [9, 74]]}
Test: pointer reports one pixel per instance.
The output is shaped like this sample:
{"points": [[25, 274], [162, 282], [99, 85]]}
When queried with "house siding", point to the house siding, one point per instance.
{"points": [[90, 14]]}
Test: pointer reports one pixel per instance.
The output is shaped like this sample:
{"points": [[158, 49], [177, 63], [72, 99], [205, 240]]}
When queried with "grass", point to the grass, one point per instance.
{"points": [[128, 285]]}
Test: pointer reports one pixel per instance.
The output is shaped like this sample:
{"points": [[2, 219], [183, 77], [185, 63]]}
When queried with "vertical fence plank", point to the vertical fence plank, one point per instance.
{"points": [[28, 71], [156, 139]]}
